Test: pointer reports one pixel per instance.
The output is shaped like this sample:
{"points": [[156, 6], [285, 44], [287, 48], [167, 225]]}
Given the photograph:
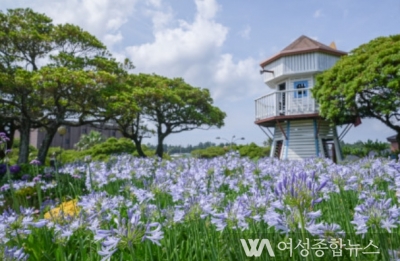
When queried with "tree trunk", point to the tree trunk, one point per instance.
{"points": [[160, 149], [11, 134], [160, 145], [139, 149], [25, 132], [398, 141], [45, 145], [138, 143], [160, 138]]}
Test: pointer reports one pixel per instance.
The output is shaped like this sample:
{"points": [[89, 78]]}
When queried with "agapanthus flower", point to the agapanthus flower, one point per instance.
{"points": [[375, 213], [35, 162], [108, 247], [3, 138], [142, 195], [325, 230], [25, 177], [154, 235], [48, 176], [229, 191], [48, 170], [234, 216], [29, 211], [15, 169], [129, 231], [14, 253], [3, 169], [300, 189], [5, 187], [36, 179], [63, 232]]}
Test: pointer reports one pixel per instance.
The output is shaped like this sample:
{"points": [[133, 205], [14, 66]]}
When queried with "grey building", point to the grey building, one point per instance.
{"points": [[71, 137]]}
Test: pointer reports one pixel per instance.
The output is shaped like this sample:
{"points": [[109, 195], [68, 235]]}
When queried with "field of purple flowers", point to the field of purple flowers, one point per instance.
{"points": [[195, 209]]}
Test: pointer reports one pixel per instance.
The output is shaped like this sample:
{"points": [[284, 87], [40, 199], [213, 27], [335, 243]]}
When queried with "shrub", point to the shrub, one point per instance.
{"points": [[98, 152], [361, 149], [111, 146], [209, 152], [89, 140], [15, 146], [148, 152], [253, 151]]}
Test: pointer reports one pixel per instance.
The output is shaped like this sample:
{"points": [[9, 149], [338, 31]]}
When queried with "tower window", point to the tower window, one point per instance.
{"points": [[300, 86]]}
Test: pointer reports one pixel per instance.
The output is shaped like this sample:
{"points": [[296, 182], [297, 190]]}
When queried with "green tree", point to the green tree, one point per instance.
{"points": [[75, 82], [365, 83], [166, 106], [128, 115], [89, 140], [174, 106], [73, 98], [24, 41]]}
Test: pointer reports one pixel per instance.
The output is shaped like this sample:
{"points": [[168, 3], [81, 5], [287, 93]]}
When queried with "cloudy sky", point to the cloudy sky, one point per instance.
{"points": [[218, 44]]}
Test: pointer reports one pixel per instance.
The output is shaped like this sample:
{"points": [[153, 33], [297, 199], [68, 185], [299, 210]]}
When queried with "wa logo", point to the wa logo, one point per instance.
{"points": [[255, 249]]}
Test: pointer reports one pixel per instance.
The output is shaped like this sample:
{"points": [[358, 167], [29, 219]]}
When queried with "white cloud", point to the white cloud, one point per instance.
{"points": [[154, 3], [115, 23], [99, 17], [207, 9], [245, 33], [111, 39], [179, 51], [318, 13], [184, 44], [192, 50], [236, 80], [160, 19]]}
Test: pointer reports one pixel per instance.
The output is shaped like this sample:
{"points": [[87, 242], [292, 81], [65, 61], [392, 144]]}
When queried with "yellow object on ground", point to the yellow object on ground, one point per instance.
{"points": [[68, 208]]}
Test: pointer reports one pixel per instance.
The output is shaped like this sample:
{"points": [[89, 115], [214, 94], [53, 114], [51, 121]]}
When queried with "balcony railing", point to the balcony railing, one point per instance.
{"points": [[290, 102]]}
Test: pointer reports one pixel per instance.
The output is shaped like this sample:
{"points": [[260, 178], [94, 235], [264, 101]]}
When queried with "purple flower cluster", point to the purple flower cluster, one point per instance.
{"points": [[3, 138], [15, 169], [3, 169], [22, 224], [15, 254], [376, 213], [35, 162], [228, 193]]}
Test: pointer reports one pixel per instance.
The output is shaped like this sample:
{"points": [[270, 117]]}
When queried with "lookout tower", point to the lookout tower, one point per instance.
{"points": [[299, 131]]}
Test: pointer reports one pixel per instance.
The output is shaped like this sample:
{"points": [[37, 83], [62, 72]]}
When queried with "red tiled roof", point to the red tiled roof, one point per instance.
{"points": [[303, 44]]}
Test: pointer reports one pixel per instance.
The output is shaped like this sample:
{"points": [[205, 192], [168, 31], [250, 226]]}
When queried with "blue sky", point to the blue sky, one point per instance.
{"points": [[218, 44]]}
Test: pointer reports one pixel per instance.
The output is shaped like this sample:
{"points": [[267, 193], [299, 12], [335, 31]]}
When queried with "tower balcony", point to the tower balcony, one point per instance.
{"points": [[287, 104]]}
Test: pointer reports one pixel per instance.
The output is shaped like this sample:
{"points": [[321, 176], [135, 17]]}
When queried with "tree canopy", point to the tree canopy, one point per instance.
{"points": [[53, 75], [365, 83], [50, 74], [165, 106]]}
